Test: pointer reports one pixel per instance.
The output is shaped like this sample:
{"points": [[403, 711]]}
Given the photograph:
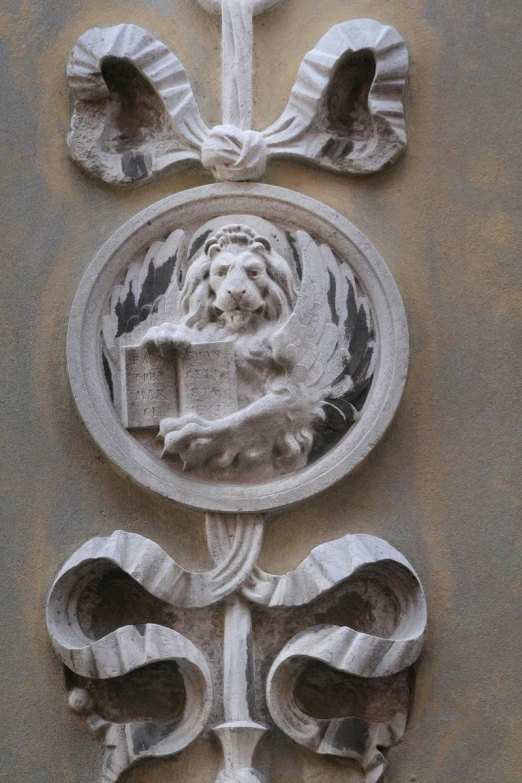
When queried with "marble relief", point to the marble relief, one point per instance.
{"points": [[237, 348], [254, 364]]}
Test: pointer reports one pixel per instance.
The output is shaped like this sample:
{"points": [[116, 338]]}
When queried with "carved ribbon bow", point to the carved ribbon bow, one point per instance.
{"points": [[135, 114], [370, 612]]}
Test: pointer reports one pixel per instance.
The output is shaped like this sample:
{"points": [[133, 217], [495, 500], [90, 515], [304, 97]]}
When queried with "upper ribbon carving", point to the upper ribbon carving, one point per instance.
{"points": [[233, 155], [135, 114]]}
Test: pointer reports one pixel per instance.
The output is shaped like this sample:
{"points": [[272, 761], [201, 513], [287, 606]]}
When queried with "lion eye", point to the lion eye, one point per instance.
{"points": [[222, 272], [253, 273]]}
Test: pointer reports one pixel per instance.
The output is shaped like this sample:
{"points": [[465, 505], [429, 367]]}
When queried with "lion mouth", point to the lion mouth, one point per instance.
{"points": [[248, 310], [240, 318], [240, 310]]}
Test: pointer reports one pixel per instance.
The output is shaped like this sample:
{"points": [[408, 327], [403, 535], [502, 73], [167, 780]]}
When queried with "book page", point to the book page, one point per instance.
{"points": [[207, 380], [148, 385]]}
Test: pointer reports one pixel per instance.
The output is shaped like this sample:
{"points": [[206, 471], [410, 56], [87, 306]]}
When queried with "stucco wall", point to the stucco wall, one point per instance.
{"points": [[441, 487]]}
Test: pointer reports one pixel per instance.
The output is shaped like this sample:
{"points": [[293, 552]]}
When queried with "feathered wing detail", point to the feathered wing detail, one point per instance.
{"points": [[327, 344], [356, 331], [135, 113], [345, 110], [297, 344], [148, 296]]}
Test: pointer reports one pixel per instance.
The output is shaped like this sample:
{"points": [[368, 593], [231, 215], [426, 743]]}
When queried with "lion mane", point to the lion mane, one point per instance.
{"points": [[197, 297]]}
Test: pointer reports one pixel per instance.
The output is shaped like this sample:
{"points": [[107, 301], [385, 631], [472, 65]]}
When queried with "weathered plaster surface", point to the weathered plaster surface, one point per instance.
{"points": [[441, 488]]}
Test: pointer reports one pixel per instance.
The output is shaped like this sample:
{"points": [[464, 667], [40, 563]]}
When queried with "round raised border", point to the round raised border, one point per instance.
{"points": [[282, 206]]}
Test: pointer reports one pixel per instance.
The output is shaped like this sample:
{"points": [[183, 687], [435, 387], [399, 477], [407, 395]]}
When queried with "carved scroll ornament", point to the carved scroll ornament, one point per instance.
{"points": [[352, 563], [135, 114], [232, 360]]}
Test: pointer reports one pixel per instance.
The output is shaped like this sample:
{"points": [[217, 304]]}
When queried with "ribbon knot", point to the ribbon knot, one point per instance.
{"points": [[233, 154]]}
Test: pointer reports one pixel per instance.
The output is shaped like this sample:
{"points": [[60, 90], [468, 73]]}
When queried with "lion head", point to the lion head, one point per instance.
{"points": [[239, 282]]}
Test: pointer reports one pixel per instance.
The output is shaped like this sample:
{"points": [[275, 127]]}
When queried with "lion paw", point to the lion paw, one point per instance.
{"points": [[198, 442], [166, 339], [174, 425]]}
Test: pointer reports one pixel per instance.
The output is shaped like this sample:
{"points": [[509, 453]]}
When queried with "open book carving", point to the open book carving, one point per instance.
{"points": [[202, 381]]}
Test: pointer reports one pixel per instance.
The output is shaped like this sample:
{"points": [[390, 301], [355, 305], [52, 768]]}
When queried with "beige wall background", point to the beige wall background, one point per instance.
{"points": [[443, 485]]}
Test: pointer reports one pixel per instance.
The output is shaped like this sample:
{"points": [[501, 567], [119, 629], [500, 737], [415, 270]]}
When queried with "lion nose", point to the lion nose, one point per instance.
{"points": [[237, 292]]}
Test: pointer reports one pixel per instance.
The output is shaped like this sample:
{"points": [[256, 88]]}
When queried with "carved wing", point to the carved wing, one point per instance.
{"points": [[327, 344], [135, 113], [345, 110], [148, 296]]}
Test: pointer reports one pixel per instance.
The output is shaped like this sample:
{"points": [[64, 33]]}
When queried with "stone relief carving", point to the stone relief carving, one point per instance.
{"points": [[261, 366], [237, 348], [135, 114], [232, 360], [358, 580]]}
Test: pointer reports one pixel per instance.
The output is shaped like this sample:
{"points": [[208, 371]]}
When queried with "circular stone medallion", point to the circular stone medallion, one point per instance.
{"points": [[237, 347]]}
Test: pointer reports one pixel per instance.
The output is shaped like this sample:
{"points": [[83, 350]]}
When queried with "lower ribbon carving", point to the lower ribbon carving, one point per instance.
{"points": [[339, 688], [347, 651], [119, 654], [133, 647], [343, 649]]}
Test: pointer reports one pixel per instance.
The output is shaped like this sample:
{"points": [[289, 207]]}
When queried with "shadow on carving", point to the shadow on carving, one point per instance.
{"points": [[345, 112], [151, 693], [284, 760], [112, 599], [367, 603], [374, 601], [135, 116], [347, 97], [322, 692]]}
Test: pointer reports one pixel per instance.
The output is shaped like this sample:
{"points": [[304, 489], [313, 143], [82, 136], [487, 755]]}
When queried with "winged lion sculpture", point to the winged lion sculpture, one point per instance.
{"points": [[303, 349]]}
